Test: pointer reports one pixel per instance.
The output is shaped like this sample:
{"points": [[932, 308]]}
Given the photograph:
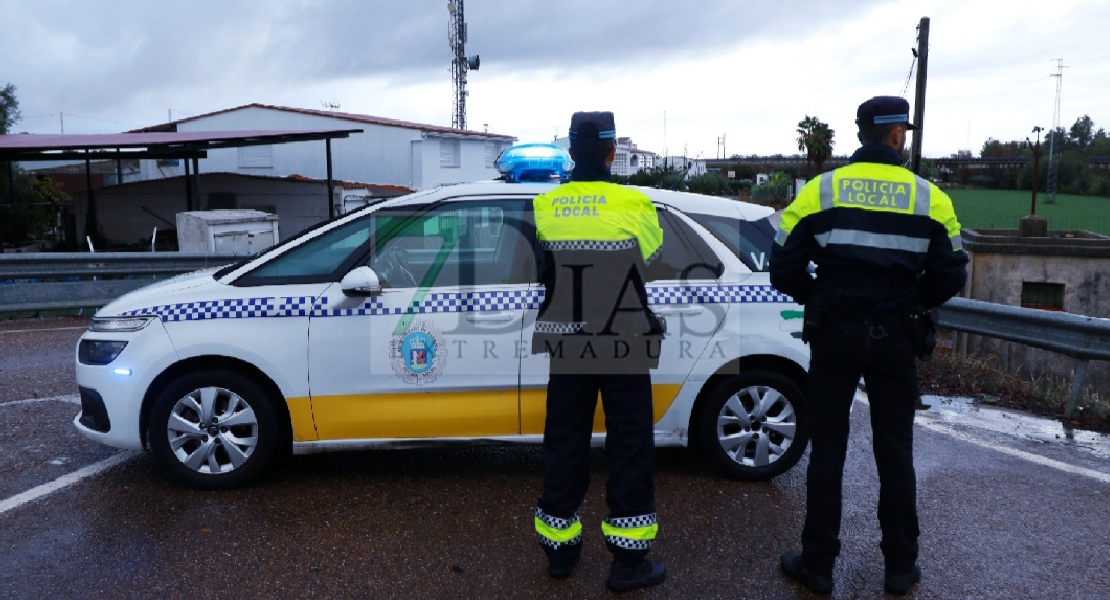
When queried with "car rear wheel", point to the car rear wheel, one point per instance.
{"points": [[754, 425], [213, 430]]}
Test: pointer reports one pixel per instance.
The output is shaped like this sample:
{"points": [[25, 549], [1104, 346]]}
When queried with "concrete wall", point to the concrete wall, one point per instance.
{"points": [[1000, 262]]}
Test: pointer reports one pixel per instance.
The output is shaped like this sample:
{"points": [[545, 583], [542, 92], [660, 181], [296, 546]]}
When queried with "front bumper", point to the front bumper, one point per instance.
{"points": [[112, 395]]}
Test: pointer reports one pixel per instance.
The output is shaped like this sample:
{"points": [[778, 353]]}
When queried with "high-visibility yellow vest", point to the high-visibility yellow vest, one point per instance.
{"points": [[875, 187], [597, 211]]}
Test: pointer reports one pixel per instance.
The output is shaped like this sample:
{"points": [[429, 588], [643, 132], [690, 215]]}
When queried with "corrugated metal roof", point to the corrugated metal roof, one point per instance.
{"points": [[25, 146], [357, 118], [349, 185]]}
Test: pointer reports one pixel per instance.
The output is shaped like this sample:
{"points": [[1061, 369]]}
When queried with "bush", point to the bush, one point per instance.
{"points": [[710, 184], [773, 192], [40, 201], [1100, 185]]}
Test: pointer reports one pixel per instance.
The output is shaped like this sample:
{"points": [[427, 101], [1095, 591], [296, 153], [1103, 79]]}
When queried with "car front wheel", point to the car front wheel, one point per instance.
{"points": [[213, 430], [754, 425]]}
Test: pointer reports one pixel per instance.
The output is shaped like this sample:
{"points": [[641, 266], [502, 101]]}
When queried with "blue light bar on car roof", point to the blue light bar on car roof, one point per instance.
{"points": [[534, 162]]}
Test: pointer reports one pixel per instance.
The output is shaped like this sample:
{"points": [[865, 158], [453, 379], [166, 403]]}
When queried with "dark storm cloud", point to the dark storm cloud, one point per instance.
{"points": [[95, 55], [412, 37]]}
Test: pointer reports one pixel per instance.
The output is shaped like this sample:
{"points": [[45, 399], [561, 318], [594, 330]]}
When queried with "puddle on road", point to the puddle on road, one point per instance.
{"points": [[967, 412]]}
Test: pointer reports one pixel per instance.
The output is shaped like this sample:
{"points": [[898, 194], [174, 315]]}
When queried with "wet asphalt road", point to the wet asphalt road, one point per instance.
{"points": [[1009, 506]]}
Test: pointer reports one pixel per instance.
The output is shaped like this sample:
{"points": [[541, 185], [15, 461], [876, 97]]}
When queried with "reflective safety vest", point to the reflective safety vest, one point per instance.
{"points": [[872, 229], [597, 211], [596, 239]]}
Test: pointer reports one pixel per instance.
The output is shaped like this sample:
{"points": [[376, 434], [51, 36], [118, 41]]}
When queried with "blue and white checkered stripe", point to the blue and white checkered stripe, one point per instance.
{"points": [[442, 302], [234, 308], [714, 294]]}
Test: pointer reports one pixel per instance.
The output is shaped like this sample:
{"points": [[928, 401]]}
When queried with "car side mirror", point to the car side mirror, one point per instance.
{"points": [[362, 281]]}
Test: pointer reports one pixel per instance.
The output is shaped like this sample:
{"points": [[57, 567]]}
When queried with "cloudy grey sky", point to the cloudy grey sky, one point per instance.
{"points": [[680, 76]]}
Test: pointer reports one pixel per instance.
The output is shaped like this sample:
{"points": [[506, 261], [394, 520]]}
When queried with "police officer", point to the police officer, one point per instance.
{"points": [[595, 239], [886, 245]]}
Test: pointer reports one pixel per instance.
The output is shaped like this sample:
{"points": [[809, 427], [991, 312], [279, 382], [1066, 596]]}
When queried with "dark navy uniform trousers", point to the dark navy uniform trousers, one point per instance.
{"points": [[880, 349], [629, 444]]}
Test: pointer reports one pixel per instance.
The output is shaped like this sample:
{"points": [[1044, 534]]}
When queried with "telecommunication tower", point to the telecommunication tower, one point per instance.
{"points": [[461, 63], [1053, 164]]}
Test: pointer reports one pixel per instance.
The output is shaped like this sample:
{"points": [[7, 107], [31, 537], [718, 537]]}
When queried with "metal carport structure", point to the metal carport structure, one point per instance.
{"points": [[190, 146]]}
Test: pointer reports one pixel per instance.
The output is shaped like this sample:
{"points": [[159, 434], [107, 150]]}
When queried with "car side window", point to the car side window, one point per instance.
{"points": [[452, 244], [683, 255], [317, 260]]}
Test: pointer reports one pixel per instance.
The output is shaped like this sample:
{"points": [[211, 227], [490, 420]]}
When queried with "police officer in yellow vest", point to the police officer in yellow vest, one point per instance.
{"points": [[595, 239], [886, 245]]}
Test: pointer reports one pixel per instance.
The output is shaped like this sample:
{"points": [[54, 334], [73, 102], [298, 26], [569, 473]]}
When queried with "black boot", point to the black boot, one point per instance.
{"points": [[899, 583], [561, 561], [793, 568], [561, 568], [646, 573]]}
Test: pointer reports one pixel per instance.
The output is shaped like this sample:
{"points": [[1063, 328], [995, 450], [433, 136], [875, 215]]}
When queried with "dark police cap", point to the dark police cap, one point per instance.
{"points": [[884, 110], [597, 125]]}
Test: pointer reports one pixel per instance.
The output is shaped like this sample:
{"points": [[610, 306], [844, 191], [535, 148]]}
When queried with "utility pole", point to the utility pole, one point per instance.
{"points": [[1053, 164], [1036, 167], [919, 99], [1032, 225]]}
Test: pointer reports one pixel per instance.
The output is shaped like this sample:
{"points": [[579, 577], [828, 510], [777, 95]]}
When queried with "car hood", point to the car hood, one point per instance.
{"points": [[163, 292]]}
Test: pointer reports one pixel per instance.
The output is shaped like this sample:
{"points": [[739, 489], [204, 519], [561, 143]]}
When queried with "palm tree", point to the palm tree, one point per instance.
{"points": [[816, 140]]}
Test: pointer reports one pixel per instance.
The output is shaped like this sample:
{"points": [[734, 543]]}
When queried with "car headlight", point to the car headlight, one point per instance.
{"points": [[99, 352], [118, 324]]}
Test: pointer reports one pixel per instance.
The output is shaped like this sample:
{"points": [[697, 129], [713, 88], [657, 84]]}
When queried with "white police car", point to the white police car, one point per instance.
{"points": [[409, 322]]}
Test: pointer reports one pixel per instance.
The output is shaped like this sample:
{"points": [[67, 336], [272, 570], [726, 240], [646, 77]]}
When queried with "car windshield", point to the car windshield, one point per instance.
{"points": [[750, 241]]}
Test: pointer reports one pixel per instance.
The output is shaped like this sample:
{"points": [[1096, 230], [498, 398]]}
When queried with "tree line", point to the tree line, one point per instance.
{"points": [[1075, 151]]}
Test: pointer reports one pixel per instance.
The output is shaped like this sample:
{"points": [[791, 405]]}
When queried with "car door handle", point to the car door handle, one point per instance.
{"points": [[685, 310], [490, 317]]}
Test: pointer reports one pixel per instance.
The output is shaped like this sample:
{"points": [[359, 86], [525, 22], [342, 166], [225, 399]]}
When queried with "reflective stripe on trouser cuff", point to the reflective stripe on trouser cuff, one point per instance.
{"points": [[555, 532], [631, 533]]}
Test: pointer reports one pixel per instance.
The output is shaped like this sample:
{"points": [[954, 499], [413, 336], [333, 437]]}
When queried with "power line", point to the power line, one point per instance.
{"points": [[913, 63], [99, 119], [62, 115]]}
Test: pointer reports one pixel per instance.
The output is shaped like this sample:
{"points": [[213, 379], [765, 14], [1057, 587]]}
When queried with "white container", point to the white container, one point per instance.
{"points": [[241, 231]]}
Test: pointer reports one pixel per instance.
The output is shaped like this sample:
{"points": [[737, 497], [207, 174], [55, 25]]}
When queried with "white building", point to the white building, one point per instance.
{"points": [[628, 159], [388, 151], [693, 166]]}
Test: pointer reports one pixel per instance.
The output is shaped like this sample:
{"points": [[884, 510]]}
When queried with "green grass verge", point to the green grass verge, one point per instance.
{"points": [[1003, 209]]}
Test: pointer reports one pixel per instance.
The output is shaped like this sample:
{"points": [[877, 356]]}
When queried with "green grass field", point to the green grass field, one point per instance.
{"points": [[1003, 209]]}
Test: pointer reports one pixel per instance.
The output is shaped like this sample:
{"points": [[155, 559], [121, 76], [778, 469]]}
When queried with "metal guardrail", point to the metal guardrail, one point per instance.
{"points": [[1077, 336], [74, 280], [65, 280]]}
